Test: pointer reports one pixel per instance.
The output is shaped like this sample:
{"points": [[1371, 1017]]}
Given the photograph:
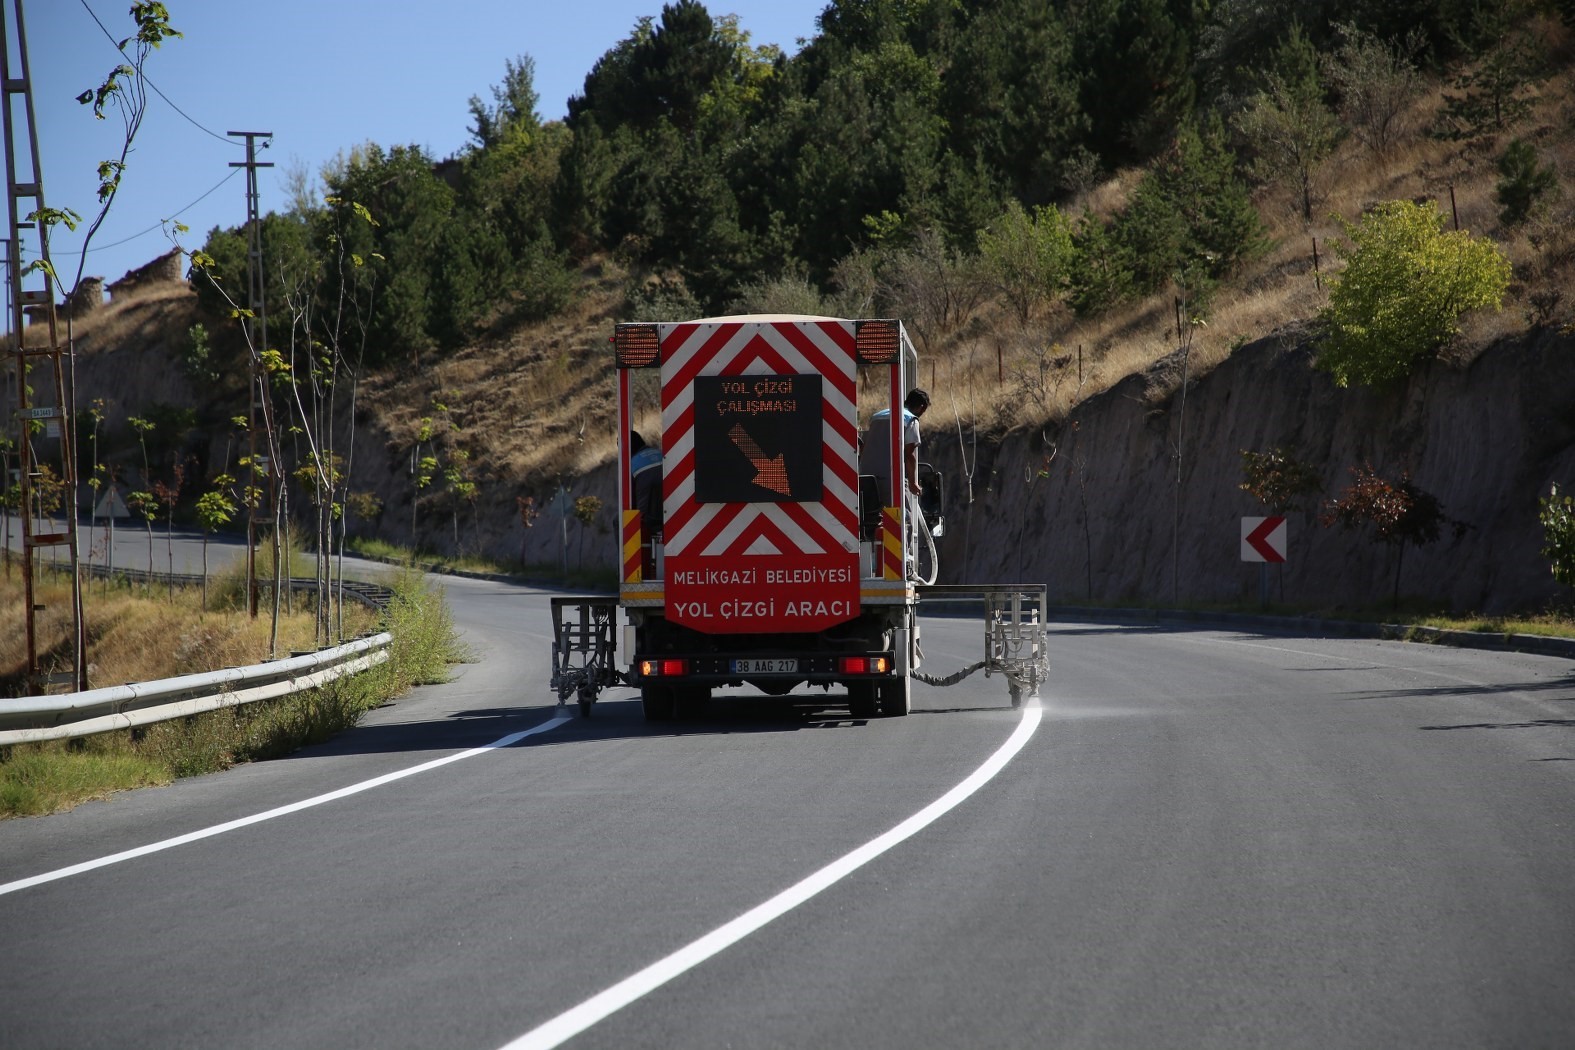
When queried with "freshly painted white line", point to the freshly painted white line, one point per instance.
{"points": [[577, 1019], [294, 807]]}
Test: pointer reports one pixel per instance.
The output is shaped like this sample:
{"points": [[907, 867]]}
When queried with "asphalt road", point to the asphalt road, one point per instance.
{"points": [[1206, 839]]}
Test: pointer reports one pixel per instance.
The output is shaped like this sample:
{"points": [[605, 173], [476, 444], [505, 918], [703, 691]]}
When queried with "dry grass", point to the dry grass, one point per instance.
{"points": [[55, 775], [533, 403], [530, 403], [137, 634], [1280, 289], [131, 320]]}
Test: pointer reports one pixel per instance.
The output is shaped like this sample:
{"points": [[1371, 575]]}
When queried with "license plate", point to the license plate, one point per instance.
{"points": [[766, 665]]}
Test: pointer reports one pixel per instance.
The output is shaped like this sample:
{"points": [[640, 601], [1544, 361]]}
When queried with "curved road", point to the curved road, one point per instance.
{"points": [[1203, 838]]}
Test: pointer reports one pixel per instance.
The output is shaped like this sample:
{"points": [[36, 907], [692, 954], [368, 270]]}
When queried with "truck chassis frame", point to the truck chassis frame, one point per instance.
{"points": [[584, 651]]}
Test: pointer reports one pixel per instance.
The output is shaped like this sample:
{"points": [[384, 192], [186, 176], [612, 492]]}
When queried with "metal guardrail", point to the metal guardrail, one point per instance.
{"points": [[30, 719], [374, 595]]}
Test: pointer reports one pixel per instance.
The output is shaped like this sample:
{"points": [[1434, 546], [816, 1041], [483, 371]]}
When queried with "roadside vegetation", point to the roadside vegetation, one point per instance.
{"points": [[1388, 185], [134, 630], [440, 562], [1041, 244], [1555, 623]]}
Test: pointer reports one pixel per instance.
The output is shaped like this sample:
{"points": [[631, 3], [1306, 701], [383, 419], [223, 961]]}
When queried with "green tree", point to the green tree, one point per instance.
{"points": [[124, 90], [1522, 182], [1191, 218], [866, 144], [1137, 59], [1010, 96], [215, 509], [142, 500], [661, 71], [586, 508], [1375, 80], [1286, 123], [1557, 515], [1153, 235], [462, 487], [197, 356], [1277, 479], [1028, 256], [1101, 274], [1405, 285], [513, 105], [417, 239], [507, 257], [1496, 88]]}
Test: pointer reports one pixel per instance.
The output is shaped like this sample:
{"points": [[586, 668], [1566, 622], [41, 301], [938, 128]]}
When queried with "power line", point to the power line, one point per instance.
{"points": [[161, 222], [151, 84], [158, 225]]}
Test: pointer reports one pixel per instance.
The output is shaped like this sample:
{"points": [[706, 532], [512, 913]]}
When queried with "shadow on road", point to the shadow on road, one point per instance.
{"points": [[1562, 684], [610, 719], [1540, 723]]}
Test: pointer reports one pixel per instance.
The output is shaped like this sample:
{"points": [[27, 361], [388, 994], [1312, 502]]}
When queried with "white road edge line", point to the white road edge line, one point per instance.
{"points": [[602, 1005], [294, 807]]}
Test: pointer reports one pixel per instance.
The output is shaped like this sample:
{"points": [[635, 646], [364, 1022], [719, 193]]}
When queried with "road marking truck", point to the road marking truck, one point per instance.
{"points": [[776, 564]]}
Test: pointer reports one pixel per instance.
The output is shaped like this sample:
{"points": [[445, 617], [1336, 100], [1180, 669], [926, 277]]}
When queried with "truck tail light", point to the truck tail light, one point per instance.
{"points": [[668, 667], [862, 665]]}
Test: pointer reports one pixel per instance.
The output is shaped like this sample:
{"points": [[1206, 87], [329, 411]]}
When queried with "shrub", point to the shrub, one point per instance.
{"points": [[1522, 182], [1405, 285], [1398, 513], [1557, 515]]}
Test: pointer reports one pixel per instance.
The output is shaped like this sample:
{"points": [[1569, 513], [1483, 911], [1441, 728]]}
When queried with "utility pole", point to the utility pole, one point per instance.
{"points": [[255, 324], [41, 401]]}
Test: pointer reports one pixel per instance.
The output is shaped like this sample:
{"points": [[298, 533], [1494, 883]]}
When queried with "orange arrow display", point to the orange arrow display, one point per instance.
{"points": [[769, 473]]}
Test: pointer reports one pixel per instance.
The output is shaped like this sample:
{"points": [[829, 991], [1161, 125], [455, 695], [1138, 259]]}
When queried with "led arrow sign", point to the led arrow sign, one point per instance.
{"points": [[769, 473], [758, 439]]}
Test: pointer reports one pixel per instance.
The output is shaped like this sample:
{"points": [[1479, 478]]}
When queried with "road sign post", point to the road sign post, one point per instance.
{"points": [[1263, 541]]}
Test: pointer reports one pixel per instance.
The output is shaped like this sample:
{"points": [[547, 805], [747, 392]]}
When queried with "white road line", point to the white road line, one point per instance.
{"points": [[577, 1019], [294, 807]]}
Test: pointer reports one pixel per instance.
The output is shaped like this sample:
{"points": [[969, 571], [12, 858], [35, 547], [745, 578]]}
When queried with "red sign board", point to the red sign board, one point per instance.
{"points": [[760, 478], [1263, 539], [745, 594]]}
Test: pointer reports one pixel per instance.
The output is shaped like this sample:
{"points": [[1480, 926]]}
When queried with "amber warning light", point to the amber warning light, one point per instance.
{"points": [[877, 342], [637, 346]]}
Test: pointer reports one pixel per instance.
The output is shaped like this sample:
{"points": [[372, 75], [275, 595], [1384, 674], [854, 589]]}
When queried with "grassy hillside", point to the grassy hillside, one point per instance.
{"points": [[530, 405], [534, 402]]}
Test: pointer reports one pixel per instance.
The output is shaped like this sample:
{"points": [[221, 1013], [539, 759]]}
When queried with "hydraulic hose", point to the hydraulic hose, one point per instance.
{"points": [[922, 529]]}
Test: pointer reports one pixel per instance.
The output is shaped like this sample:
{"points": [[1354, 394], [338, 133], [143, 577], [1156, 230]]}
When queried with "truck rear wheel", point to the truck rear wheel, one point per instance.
{"points": [[894, 694], [659, 702], [861, 699], [691, 701]]}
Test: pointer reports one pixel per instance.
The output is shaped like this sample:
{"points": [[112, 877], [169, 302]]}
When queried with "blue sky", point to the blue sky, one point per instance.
{"points": [[322, 75]]}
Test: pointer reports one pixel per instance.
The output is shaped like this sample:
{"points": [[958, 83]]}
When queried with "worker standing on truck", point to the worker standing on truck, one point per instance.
{"points": [[645, 470], [875, 450]]}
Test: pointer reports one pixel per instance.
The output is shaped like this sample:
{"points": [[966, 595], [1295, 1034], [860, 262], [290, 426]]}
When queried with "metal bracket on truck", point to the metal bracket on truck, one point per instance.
{"points": [[1014, 634], [1014, 640], [583, 648]]}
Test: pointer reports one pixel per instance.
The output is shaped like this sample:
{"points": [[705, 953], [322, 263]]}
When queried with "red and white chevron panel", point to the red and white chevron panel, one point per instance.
{"points": [[767, 566]]}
